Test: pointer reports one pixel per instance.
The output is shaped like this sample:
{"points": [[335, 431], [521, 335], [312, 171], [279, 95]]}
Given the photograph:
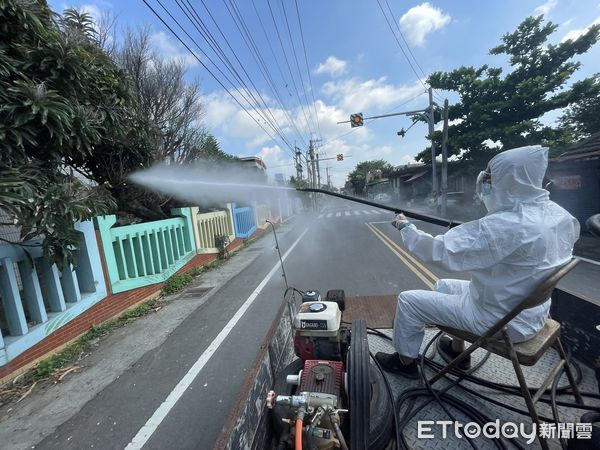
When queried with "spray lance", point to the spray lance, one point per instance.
{"points": [[413, 215]]}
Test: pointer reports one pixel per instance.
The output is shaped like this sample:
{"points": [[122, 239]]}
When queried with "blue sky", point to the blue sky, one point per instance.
{"points": [[355, 65]]}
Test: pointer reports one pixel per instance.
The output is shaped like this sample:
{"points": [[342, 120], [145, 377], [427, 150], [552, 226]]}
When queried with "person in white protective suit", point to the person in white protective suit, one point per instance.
{"points": [[523, 239]]}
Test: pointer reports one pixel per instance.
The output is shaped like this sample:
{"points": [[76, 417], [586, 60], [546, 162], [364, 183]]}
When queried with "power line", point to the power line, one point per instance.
{"points": [[209, 39], [288, 64], [218, 80], [287, 24], [254, 51], [405, 102], [400, 45], [308, 68], [439, 97], [408, 60]]}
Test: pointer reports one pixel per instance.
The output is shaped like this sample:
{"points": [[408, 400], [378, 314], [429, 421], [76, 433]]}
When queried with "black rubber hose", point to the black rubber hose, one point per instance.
{"points": [[563, 441], [514, 390], [434, 391], [413, 394], [339, 434]]}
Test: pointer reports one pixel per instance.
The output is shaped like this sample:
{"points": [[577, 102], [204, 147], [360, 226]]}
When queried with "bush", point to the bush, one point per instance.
{"points": [[176, 283], [221, 242], [196, 271]]}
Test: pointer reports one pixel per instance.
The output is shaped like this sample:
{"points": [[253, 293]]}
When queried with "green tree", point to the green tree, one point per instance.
{"points": [[359, 175], [62, 99], [298, 183], [583, 118], [508, 107]]}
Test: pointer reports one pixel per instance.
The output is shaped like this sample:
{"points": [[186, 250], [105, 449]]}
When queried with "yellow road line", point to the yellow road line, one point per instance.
{"points": [[425, 270], [406, 262]]}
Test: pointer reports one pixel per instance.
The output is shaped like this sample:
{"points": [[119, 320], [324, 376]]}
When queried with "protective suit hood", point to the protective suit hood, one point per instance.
{"points": [[517, 177]]}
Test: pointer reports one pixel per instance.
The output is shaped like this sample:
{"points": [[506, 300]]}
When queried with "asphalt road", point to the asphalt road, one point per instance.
{"points": [[345, 246]]}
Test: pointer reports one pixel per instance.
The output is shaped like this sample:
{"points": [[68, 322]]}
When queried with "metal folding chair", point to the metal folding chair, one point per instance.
{"points": [[496, 340]]}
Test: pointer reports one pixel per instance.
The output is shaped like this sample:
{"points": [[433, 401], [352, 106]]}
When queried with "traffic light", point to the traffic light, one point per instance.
{"points": [[340, 157], [356, 120], [402, 132]]}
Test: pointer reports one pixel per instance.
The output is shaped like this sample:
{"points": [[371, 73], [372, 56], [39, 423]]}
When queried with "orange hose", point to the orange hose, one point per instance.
{"points": [[298, 445]]}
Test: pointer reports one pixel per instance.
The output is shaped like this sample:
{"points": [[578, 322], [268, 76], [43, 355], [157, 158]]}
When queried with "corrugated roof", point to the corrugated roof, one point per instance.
{"points": [[589, 147]]}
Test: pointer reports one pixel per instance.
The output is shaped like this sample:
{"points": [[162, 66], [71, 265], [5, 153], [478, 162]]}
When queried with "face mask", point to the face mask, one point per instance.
{"points": [[483, 188], [486, 195]]}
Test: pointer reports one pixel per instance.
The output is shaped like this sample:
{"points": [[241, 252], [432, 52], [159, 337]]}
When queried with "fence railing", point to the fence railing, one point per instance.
{"points": [[146, 253], [263, 213], [37, 298], [244, 221], [208, 226]]}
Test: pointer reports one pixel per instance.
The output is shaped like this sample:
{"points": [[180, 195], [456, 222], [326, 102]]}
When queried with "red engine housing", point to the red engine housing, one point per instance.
{"points": [[322, 376]]}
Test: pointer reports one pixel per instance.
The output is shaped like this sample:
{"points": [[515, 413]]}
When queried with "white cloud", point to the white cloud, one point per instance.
{"points": [[170, 49], [545, 8], [93, 10], [574, 34], [353, 95], [332, 66], [276, 160], [421, 20], [406, 159]]}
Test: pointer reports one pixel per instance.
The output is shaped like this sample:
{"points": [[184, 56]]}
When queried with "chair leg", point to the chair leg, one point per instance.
{"points": [[567, 367], [524, 388]]}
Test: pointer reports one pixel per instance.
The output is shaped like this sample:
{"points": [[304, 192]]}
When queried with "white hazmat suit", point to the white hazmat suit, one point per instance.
{"points": [[509, 252]]}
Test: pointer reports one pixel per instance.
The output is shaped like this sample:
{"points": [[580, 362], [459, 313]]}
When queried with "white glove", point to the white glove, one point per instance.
{"points": [[400, 221]]}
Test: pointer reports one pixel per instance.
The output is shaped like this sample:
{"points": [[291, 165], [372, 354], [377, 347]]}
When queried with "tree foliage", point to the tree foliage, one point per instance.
{"points": [[59, 97], [583, 118], [507, 107], [359, 175]]}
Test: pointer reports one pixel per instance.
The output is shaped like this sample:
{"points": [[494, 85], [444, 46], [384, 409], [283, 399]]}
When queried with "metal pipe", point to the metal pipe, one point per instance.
{"points": [[413, 215]]}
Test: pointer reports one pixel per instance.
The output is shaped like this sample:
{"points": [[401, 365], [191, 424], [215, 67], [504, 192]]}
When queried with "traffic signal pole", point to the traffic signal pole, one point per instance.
{"points": [[427, 114]]}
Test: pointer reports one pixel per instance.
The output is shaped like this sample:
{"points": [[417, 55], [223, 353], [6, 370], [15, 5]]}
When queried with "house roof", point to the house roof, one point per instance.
{"points": [[587, 148]]}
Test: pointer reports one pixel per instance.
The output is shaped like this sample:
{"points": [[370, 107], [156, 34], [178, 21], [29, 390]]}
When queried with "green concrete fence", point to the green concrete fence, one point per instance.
{"points": [[146, 253]]}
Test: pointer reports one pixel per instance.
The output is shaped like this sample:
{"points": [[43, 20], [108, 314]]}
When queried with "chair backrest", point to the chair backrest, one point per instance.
{"points": [[536, 298], [544, 290]]}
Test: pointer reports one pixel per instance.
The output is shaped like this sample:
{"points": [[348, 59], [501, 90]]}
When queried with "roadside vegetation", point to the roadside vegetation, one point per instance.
{"points": [[78, 114]]}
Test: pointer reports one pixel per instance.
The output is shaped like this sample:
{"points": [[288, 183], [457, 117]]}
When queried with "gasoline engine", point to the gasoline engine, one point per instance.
{"points": [[313, 399]]}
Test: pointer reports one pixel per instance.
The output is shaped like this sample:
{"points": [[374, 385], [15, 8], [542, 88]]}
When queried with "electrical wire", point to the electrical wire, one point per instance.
{"points": [[260, 106], [200, 26], [400, 45], [203, 64], [408, 60], [288, 63], [242, 27], [287, 25], [308, 68]]}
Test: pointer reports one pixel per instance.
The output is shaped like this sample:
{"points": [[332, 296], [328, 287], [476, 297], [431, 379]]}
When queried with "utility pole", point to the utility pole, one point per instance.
{"points": [[328, 177], [298, 162], [445, 159], [318, 173], [311, 151], [434, 185]]}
